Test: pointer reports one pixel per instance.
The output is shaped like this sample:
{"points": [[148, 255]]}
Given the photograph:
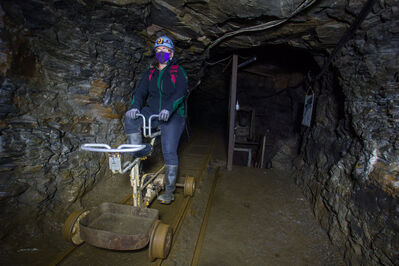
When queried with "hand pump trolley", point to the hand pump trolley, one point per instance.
{"points": [[125, 227]]}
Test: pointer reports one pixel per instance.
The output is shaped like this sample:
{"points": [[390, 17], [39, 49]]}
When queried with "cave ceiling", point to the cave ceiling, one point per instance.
{"points": [[206, 28], [196, 24], [201, 29]]}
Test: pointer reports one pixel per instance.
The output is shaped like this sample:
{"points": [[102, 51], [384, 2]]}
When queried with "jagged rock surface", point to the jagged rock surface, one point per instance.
{"points": [[69, 68]]}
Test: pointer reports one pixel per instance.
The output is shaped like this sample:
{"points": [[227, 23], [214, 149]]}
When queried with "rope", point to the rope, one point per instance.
{"points": [[280, 91], [305, 4], [348, 34], [344, 39], [217, 62], [224, 59]]}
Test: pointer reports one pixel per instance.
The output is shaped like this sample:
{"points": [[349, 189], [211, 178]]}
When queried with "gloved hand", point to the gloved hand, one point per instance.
{"points": [[164, 115], [132, 113]]}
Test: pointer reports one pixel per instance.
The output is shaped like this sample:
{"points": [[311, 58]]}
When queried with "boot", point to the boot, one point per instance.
{"points": [[137, 139], [134, 138], [170, 184]]}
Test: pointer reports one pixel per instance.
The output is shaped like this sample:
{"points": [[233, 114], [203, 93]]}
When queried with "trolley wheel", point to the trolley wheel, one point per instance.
{"points": [[71, 230], [189, 186], [160, 241]]}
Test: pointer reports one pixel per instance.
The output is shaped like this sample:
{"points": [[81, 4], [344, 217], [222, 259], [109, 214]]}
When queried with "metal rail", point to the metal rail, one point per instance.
{"points": [[185, 207], [201, 237]]}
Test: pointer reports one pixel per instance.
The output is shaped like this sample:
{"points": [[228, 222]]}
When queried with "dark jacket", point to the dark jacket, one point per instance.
{"points": [[165, 89]]}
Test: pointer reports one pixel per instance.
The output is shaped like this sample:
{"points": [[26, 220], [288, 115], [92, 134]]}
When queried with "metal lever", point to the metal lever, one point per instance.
{"points": [[147, 129]]}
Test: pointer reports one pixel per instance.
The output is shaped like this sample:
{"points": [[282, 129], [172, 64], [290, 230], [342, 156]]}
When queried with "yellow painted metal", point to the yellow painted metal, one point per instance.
{"points": [[160, 241], [71, 231], [189, 186], [135, 183]]}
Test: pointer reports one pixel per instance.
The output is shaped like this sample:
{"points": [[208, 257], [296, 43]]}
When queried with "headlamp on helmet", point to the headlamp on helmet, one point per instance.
{"points": [[164, 41]]}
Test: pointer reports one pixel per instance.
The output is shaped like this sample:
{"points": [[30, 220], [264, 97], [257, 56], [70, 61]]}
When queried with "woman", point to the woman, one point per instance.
{"points": [[162, 90]]}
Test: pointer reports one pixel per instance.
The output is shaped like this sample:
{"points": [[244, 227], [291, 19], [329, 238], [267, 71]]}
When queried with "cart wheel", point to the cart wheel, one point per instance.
{"points": [[71, 230], [189, 186], [160, 241]]}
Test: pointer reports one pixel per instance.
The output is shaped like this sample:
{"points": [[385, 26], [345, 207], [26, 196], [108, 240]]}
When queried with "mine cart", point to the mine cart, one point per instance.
{"points": [[127, 227]]}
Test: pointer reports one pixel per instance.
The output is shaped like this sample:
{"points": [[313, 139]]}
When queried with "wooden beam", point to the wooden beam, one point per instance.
{"points": [[232, 112]]}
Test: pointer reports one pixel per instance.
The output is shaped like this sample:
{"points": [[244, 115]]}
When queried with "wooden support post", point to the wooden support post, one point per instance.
{"points": [[232, 112], [262, 158]]}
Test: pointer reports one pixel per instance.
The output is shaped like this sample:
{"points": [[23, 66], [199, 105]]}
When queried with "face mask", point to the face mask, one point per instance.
{"points": [[162, 57]]}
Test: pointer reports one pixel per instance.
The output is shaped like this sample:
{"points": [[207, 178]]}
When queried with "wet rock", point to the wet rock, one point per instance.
{"points": [[329, 33], [284, 157]]}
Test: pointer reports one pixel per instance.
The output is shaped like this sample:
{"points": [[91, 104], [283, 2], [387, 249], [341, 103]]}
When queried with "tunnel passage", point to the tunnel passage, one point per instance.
{"points": [[69, 69], [270, 96]]}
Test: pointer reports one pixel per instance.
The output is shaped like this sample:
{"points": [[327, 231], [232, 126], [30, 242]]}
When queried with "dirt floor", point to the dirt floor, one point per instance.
{"points": [[250, 216], [247, 216], [259, 217]]}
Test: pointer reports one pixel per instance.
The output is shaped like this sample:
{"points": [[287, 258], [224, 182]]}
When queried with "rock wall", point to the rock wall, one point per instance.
{"points": [[348, 165], [71, 72]]}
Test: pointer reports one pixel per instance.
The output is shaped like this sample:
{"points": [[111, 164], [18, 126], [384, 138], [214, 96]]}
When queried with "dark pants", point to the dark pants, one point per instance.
{"points": [[171, 132]]}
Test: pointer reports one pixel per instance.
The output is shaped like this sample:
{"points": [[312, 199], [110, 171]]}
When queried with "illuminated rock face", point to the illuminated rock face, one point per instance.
{"points": [[68, 70]]}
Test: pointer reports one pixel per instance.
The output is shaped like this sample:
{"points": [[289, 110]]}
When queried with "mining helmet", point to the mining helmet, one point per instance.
{"points": [[164, 41]]}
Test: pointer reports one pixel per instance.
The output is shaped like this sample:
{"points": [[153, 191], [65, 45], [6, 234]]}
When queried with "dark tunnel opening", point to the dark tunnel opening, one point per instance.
{"points": [[270, 95]]}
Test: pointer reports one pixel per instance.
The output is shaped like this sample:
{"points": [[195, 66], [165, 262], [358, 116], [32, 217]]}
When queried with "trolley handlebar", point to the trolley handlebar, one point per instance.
{"points": [[100, 147], [147, 129]]}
